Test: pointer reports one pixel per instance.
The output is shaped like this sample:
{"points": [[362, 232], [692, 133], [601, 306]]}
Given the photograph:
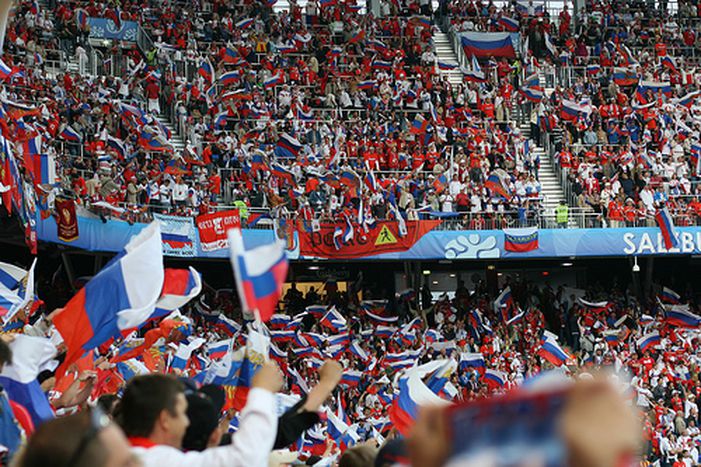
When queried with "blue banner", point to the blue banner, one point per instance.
{"points": [[102, 28], [435, 245]]}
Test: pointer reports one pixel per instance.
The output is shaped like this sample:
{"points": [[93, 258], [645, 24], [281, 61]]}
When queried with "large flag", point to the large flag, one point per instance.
{"points": [[552, 352], [260, 274], [666, 225], [16, 289], [119, 297], [412, 393], [521, 240], [30, 356]]}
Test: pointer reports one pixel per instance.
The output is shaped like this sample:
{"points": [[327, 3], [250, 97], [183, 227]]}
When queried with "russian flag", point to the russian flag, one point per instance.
{"points": [[381, 319], [218, 350], [179, 287], [496, 185], [509, 24], [371, 181], [666, 225], [358, 351], [220, 120], [688, 99], [648, 341], [532, 94], [231, 56], [260, 274], [206, 70], [593, 70], [552, 352], [624, 76], [682, 317], [283, 335], [504, 302], [81, 18], [278, 321], [333, 320], [288, 147], [69, 134], [494, 378], [350, 378], [341, 340], [245, 23], [670, 296], [413, 393], [596, 307], [228, 326], [488, 44], [357, 36], [385, 331], [472, 360], [231, 77], [432, 335], [377, 45], [184, 352], [119, 297], [381, 65], [572, 110], [118, 146], [419, 125], [30, 356], [521, 240], [273, 81], [5, 71], [349, 178], [447, 66], [367, 85], [286, 48], [280, 171], [305, 116], [16, 289], [668, 62]]}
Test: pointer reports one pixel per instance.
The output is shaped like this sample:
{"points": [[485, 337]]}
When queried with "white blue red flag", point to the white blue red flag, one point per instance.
{"points": [[260, 274]]}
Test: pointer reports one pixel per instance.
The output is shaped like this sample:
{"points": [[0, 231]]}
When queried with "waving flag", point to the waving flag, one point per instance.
{"points": [[16, 289], [30, 355], [572, 110], [179, 287], [381, 65], [419, 126], [445, 66], [218, 350], [280, 171], [669, 63], [494, 378], [682, 317], [497, 182], [593, 70], [206, 70], [413, 393], [228, 78], [648, 341], [552, 352], [351, 378], [333, 320], [184, 352], [625, 76], [509, 24], [288, 147], [367, 85], [666, 225], [69, 134], [472, 360], [521, 240], [118, 146], [349, 178], [123, 293], [260, 274], [358, 351], [245, 23], [5, 71], [273, 81], [670, 296], [687, 100]]}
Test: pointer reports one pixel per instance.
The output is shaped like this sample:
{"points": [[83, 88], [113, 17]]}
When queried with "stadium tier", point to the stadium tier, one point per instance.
{"points": [[350, 233]]}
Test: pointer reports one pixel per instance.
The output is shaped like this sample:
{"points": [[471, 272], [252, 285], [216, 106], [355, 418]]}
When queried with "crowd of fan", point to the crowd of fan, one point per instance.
{"points": [[385, 337], [323, 100]]}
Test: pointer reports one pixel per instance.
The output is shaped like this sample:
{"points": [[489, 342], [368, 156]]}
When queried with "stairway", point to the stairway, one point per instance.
{"points": [[177, 139], [446, 54]]}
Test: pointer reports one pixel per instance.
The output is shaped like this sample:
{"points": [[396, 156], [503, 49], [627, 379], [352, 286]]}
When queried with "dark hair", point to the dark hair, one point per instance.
{"points": [[55, 443], [107, 403], [5, 353], [145, 397]]}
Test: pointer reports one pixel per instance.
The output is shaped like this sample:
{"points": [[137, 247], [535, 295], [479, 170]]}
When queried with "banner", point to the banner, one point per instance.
{"points": [[178, 235], [103, 28], [66, 220], [213, 228], [384, 238]]}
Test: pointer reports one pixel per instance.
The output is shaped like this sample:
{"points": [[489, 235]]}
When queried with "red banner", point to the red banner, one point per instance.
{"points": [[384, 238], [213, 228], [67, 222]]}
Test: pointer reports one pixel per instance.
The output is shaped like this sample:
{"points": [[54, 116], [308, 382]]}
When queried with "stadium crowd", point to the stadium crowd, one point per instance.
{"points": [[349, 352]]}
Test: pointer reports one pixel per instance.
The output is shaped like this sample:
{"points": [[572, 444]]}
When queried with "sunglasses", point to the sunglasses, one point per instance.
{"points": [[98, 422]]}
